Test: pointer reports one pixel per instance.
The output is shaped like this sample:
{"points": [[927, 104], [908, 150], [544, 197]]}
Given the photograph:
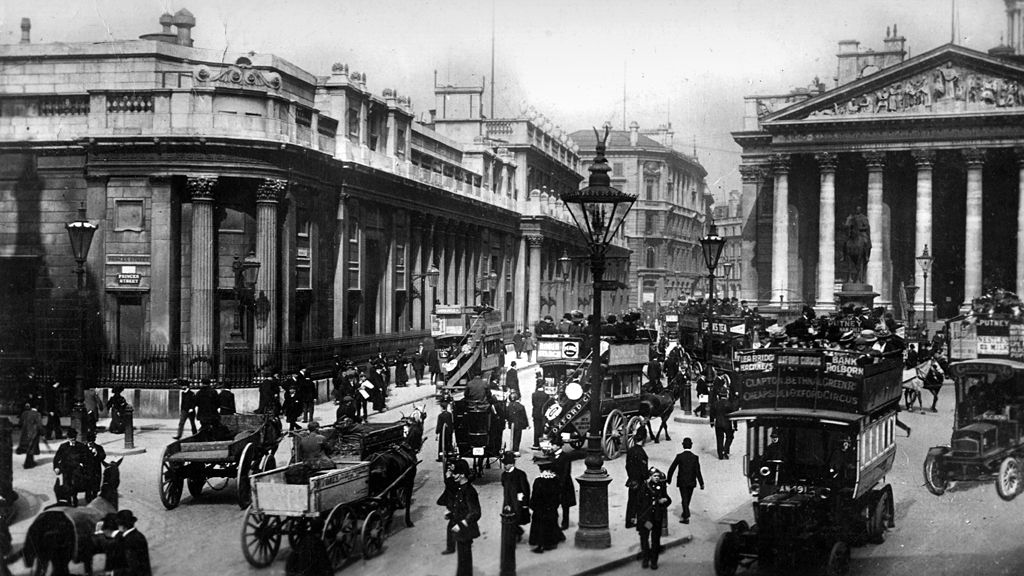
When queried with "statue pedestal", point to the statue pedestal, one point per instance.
{"points": [[857, 294]]}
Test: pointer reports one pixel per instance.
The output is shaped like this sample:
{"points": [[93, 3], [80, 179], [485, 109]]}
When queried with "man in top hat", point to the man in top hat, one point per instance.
{"points": [[445, 429], [636, 473], [515, 415], [464, 515], [207, 405], [226, 400], [135, 546], [512, 378], [563, 468], [419, 362], [188, 408], [70, 464], [516, 488], [689, 476]]}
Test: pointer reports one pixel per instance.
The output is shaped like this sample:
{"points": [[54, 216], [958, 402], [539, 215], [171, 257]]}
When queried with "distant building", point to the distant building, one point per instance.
{"points": [[729, 222]]}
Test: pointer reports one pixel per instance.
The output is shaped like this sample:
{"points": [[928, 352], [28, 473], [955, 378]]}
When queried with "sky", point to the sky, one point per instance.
{"points": [[579, 62]]}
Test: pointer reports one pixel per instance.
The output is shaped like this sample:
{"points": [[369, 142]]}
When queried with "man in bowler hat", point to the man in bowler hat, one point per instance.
{"points": [[688, 464], [134, 545]]}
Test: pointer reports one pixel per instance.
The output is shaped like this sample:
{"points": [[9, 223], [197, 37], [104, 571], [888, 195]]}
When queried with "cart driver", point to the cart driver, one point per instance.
{"points": [[841, 460], [313, 448], [477, 392]]}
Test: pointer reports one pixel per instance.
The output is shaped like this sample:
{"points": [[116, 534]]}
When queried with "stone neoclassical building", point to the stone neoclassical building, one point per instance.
{"points": [[930, 147]]}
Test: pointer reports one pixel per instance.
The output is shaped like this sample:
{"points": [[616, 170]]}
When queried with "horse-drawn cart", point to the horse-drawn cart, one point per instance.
{"points": [[350, 507], [241, 445]]}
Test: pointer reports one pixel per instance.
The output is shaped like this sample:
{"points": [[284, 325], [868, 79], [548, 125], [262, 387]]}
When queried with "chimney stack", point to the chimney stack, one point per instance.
{"points": [[165, 21], [184, 21], [26, 29], [634, 133]]}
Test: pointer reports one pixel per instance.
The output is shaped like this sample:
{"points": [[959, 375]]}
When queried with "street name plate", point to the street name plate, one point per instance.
{"points": [[607, 285]]}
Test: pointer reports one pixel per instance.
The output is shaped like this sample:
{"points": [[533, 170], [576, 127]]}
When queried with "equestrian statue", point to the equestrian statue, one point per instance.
{"points": [[857, 247]]}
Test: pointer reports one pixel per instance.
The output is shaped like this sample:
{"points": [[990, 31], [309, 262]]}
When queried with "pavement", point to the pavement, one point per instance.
{"points": [[424, 542]]}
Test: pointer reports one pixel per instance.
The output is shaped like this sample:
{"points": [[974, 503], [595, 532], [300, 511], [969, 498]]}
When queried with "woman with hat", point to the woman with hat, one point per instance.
{"points": [[135, 546], [516, 488], [545, 533], [652, 501], [464, 514]]}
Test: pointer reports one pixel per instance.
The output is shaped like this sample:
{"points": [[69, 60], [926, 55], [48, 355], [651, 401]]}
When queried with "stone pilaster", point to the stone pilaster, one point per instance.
{"points": [[203, 272], [876, 166], [268, 196], [753, 178], [925, 160], [533, 294], [827, 231], [780, 230], [1020, 220], [973, 253], [519, 290], [452, 262]]}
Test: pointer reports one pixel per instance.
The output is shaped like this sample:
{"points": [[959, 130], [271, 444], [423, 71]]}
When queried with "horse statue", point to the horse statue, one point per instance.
{"points": [[657, 405], [62, 534], [857, 248]]}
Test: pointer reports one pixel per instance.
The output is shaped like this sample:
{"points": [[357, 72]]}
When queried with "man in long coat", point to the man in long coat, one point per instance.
{"points": [[636, 474], [563, 468], [419, 362], [515, 415], [31, 429], [135, 546], [465, 515], [70, 464], [187, 411], [652, 500], [207, 405], [539, 399], [512, 379], [516, 489]]}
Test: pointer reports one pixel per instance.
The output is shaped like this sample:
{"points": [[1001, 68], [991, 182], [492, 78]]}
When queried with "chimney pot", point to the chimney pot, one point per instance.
{"points": [[184, 21], [26, 29], [165, 22]]}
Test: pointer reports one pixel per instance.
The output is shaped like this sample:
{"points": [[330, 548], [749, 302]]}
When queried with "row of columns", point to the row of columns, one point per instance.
{"points": [[875, 161]]}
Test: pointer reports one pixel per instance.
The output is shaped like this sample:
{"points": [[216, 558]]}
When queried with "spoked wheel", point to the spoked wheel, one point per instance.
{"points": [[339, 535], [727, 557], [635, 423], [298, 528], [170, 482], [1009, 482], [261, 538], [611, 437], [195, 483], [838, 563], [246, 466], [934, 478], [879, 518], [372, 534]]}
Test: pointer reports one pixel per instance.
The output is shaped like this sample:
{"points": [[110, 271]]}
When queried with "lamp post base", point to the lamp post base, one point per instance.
{"points": [[593, 530], [78, 419]]}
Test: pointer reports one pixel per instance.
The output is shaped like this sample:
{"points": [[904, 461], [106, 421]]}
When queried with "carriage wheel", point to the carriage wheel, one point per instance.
{"points": [[934, 478], [298, 528], [838, 563], [879, 518], [1009, 482], [339, 535], [635, 423], [170, 482], [372, 534], [261, 538], [727, 557], [195, 483], [611, 438], [246, 466]]}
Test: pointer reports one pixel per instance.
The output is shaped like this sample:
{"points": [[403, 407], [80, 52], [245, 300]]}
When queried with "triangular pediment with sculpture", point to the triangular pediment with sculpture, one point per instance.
{"points": [[947, 80]]}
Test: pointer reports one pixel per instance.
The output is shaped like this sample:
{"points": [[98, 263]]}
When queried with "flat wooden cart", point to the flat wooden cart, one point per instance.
{"points": [[245, 445]]}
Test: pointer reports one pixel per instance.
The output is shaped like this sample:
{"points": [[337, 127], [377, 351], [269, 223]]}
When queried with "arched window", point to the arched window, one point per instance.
{"points": [[650, 257]]}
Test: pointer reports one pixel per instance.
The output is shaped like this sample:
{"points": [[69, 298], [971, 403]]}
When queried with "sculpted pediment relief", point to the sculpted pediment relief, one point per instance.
{"points": [[947, 88]]}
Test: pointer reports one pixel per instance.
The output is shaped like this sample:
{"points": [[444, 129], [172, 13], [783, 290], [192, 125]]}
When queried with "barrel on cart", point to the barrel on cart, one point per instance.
{"points": [[242, 444]]}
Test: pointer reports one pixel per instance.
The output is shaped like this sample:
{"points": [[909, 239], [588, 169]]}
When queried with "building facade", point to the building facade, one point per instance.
{"points": [[929, 148], [189, 162]]}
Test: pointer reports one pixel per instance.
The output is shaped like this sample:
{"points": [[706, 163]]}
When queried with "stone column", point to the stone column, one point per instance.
{"points": [[268, 195], [925, 160], [1020, 220], [519, 284], [876, 166], [827, 231], [975, 159], [452, 268], [203, 271], [753, 178], [533, 293], [780, 230]]}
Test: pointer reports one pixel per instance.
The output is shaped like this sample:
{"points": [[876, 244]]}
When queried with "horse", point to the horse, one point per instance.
{"points": [[658, 405], [413, 426], [395, 464], [856, 251], [62, 534]]}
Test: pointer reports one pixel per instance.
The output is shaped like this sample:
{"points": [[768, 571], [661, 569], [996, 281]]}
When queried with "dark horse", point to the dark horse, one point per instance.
{"points": [[393, 476], [856, 251], [63, 534], [658, 405]]}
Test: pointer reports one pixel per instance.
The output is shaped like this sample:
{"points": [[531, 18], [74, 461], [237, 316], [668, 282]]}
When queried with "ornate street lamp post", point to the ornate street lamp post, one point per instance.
{"points": [[246, 271], [598, 210], [80, 232], [711, 246], [427, 278], [925, 262], [727, 274]]}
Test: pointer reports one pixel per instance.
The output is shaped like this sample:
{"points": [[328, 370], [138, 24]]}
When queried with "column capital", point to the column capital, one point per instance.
{"points": [[535, 241], [752, 173], [271, 190], [974, 157], [201, 188], [827, 161], [780, 163], [1018, 153], [875, 160], [923, 158]]}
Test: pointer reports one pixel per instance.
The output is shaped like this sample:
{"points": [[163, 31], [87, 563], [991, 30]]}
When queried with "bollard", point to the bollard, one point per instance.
{"points": [[129, 427], [686, 400], [508, 543]]}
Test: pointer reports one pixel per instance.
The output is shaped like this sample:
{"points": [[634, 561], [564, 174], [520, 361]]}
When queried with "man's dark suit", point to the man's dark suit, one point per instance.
{"points": [[539, 398], [689, 475], [136, 554], [512, 380], [514, 484]]}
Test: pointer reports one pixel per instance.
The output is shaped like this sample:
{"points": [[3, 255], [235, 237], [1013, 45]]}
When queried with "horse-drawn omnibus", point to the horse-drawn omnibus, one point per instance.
{"points": [[987, 443], [468, 343], [727, 334], [820, 441]]}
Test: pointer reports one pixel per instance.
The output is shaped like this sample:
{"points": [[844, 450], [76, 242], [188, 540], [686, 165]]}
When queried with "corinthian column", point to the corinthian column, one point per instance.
{"points": [[201, 190], [753, 179], [780, 230], [876, 166], [972, 243], [827, 230], [924, 159], [267, 197], [533, 296]]}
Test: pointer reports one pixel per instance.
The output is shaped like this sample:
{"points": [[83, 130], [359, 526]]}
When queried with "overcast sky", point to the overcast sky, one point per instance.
{"points": [[687, 61]]}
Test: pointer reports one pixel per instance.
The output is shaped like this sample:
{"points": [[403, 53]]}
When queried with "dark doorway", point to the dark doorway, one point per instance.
{"points": [[375, 260], [131, 322]]}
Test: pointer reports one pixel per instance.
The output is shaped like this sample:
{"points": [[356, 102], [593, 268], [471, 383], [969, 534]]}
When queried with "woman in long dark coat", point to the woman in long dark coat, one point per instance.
{"points": [[401, 369], [31, 428], [545, 498]]}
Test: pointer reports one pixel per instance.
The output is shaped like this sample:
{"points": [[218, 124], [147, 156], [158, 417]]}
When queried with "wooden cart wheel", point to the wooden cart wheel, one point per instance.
{"points": [[635, 423], [1008, 483], [261, 538], [268, 462], [195, 483], [170, 482], [245, 467], [611, 438], [727, 557], [934, 478], [297, 529], [372, 534], [838, 560], [339, 535]]}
